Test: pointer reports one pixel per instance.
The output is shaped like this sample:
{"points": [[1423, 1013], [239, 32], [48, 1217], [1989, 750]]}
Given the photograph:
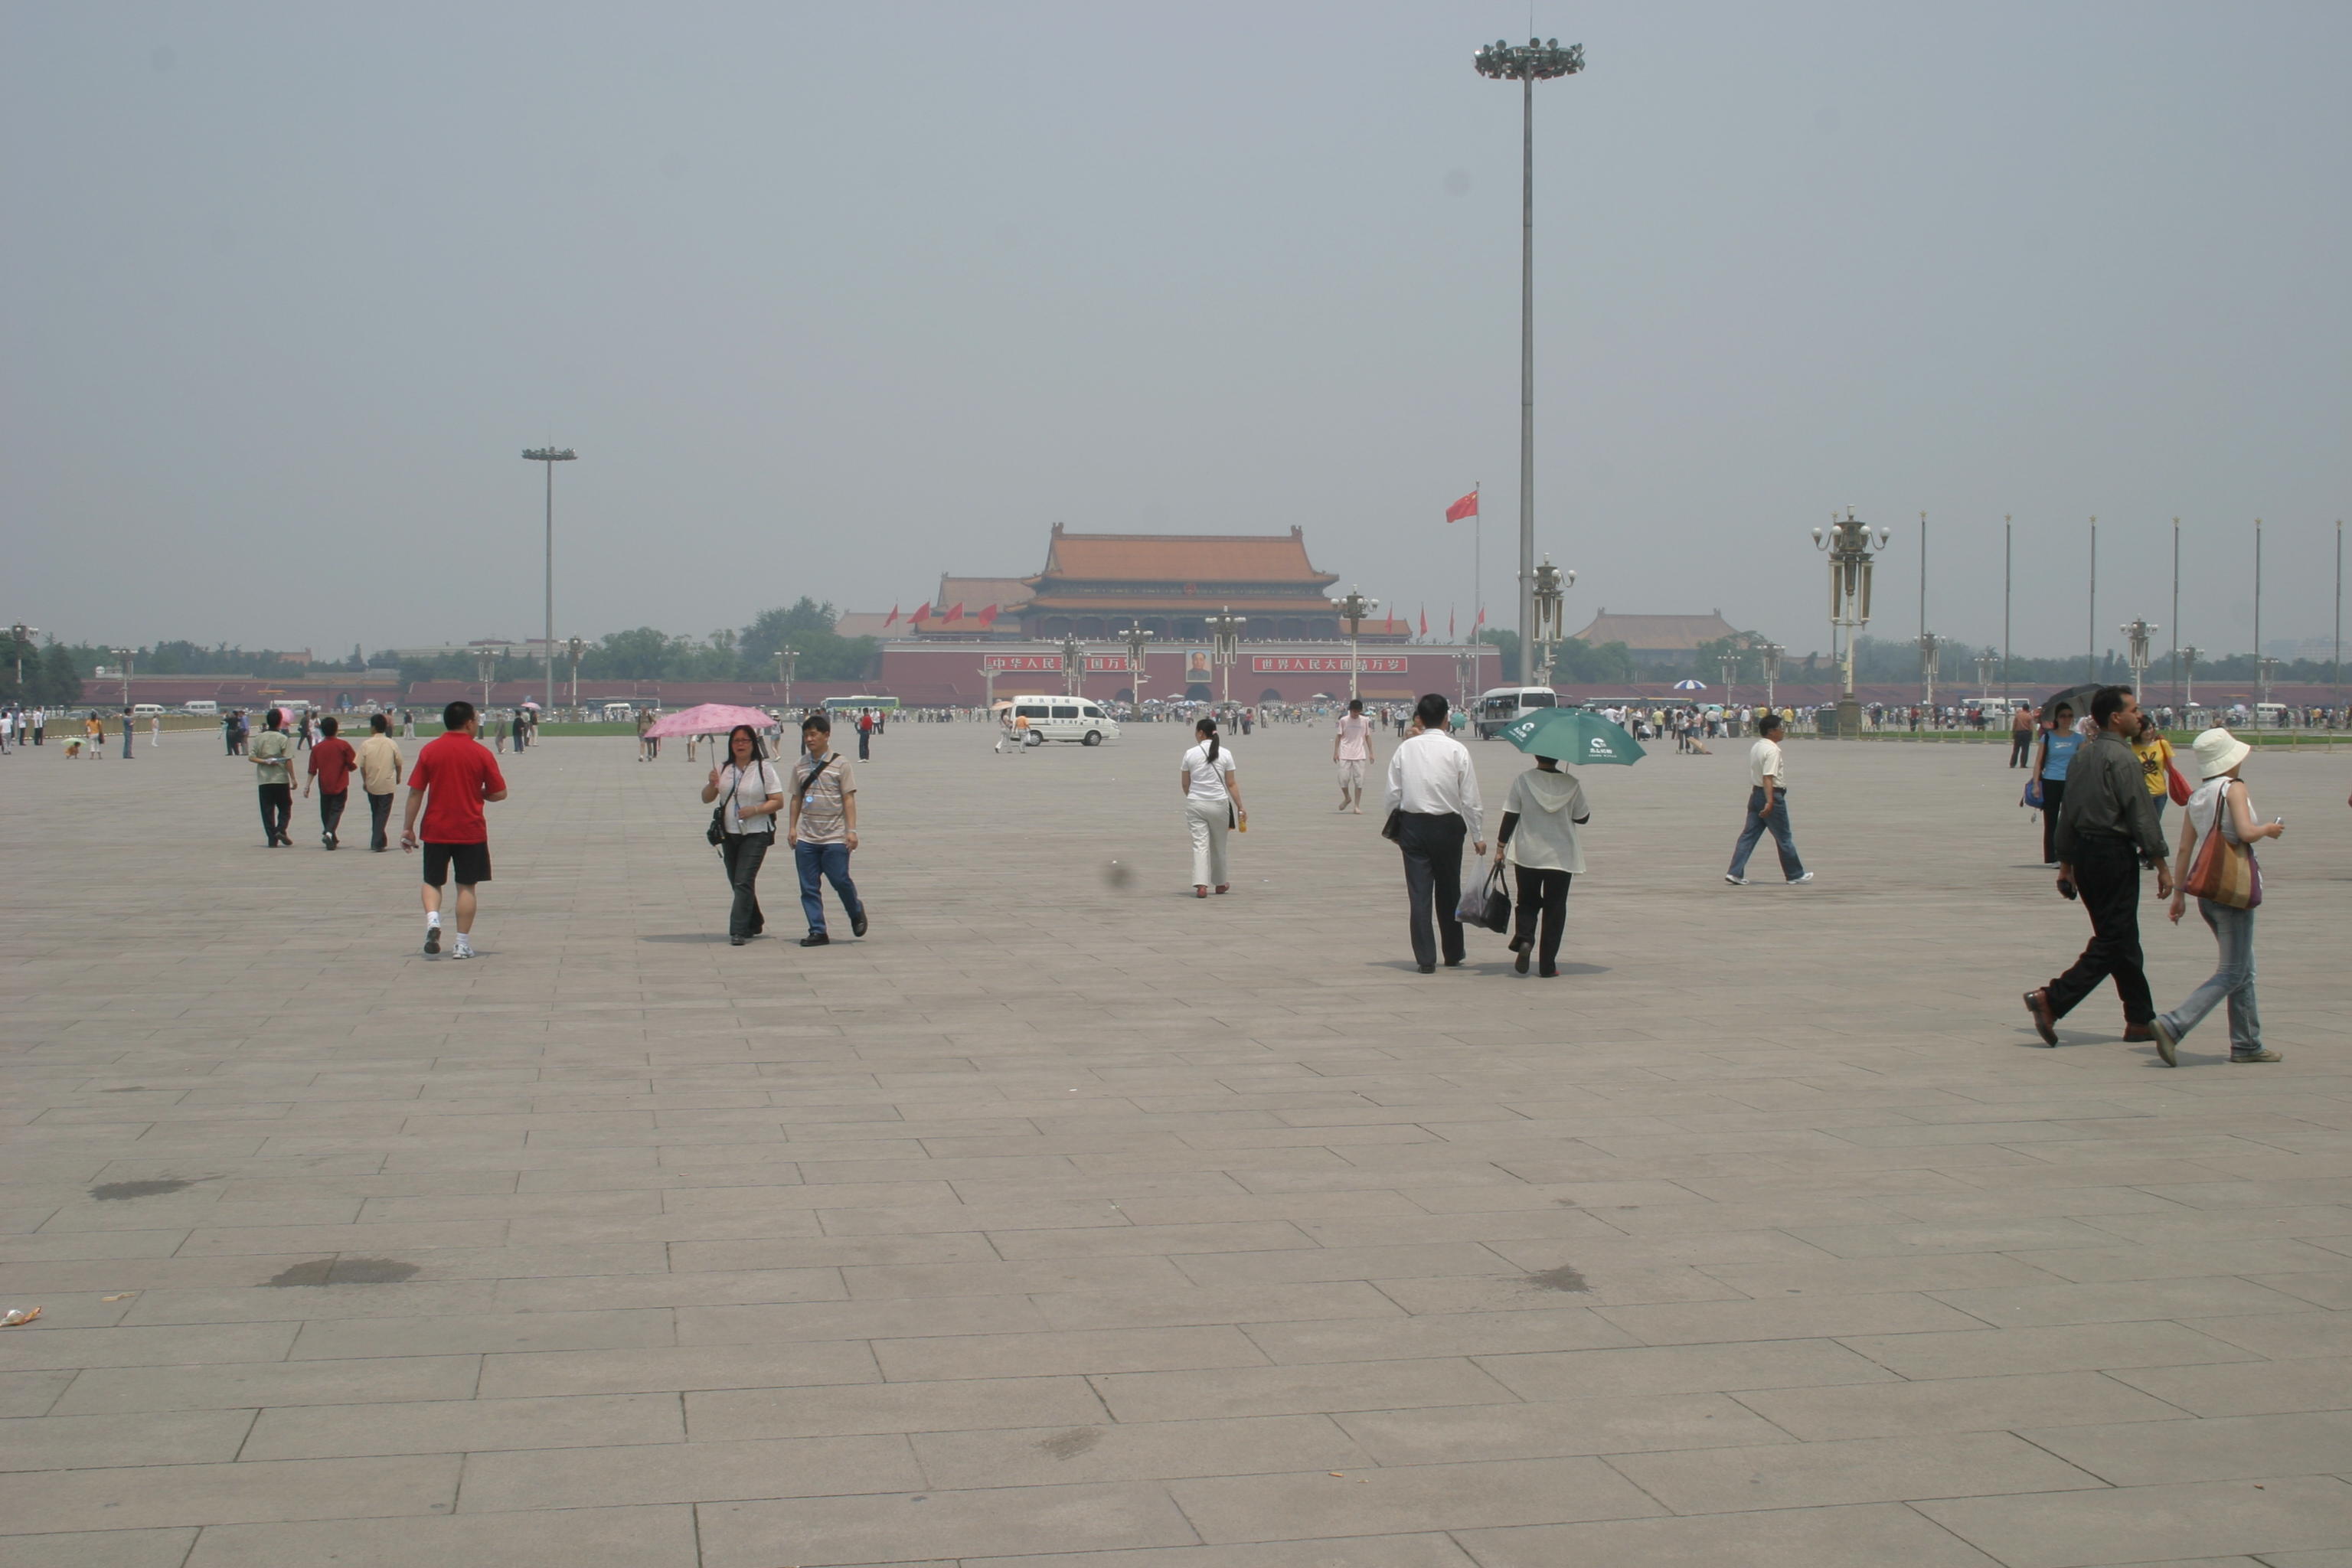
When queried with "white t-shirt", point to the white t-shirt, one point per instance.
{"points": [[1209, 778], [1764, 761], [749, 787], [1355, 738]]}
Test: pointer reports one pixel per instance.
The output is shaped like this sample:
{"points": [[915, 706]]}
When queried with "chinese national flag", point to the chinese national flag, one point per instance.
{"points": [[987, 618], [893, 620], [1425, 620], [1482, 617], [1388, 626], [955, 614], [922, 615], [1466, 506]]}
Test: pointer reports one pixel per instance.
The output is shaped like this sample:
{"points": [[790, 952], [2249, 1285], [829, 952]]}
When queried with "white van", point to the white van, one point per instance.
{"points": [[1076, 719], [147, 709], [204, 705], [1509, 704]]}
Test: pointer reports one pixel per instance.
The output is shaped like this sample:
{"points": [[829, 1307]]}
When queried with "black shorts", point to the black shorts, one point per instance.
{"points": [[472, 862]]}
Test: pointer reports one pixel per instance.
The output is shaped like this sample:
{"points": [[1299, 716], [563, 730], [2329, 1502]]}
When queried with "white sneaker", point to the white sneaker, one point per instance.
{"points": [[1734, 881], [463, 949], [1806, 877]]}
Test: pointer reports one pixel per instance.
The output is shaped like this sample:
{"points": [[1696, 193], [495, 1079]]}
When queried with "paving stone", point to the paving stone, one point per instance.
{"points": [[2147, 1524], [2313, 1443], [821, 1532], [76, 1442], [1864, 1536], [688, 1472], [1557, 1427], [1105, 1451], [1956, 1405], [464, 1425], [1824, 1474], [1408, 1498], [719, 1416], [250, 1384], [99, 1549], [154, 1496], [574, 1538]]}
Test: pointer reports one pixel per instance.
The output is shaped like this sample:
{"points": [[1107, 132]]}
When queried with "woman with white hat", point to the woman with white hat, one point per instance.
{"points": [[2219, 805]]}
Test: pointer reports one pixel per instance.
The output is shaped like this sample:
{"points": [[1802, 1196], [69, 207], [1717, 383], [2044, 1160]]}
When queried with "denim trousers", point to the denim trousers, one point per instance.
{"points": [[743, 854], [830, 861], [1753, 829], [2235, 931]]}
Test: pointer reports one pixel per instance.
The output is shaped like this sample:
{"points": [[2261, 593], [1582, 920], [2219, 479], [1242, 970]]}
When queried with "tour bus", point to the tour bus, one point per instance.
{"points": [[859, 704], [1508, 704], [1052, 718]]}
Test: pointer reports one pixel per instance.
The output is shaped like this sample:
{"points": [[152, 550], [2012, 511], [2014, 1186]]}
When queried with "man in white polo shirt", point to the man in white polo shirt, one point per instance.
{"points": [[1767, 806]]}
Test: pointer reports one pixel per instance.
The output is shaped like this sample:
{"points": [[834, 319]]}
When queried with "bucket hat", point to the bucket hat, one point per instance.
{"points": [[2217, 751]]}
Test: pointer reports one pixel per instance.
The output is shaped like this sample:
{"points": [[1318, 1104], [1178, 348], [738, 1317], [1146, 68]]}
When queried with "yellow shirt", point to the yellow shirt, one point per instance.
{"points": [[2153, 755]]}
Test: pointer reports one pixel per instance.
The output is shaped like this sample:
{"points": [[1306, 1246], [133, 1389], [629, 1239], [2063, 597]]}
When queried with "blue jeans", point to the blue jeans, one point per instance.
{"points": [[1753, 829], [832, 862], [2235, 931]]}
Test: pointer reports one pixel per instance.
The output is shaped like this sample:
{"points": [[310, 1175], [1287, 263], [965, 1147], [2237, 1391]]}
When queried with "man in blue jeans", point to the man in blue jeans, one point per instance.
{"points": [[823, 829], [1768, 806]]}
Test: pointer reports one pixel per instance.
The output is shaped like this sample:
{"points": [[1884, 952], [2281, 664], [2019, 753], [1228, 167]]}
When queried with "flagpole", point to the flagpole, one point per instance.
{"points": [[1477, 562]]}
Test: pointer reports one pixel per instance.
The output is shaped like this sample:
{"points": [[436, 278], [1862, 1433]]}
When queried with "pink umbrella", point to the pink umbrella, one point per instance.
{"points": [[709, 718]]}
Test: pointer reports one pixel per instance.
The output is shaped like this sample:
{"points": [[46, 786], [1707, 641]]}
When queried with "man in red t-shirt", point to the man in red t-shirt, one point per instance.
{"points": [[332, 762], [459, 775]]}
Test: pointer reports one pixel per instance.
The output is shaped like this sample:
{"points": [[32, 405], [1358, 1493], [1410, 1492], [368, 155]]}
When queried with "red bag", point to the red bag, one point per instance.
{"points": [[2176, 785]]}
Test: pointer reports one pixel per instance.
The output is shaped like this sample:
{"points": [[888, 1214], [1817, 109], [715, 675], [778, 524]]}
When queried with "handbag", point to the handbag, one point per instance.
{"points": [[2031, 799], [2224, 872], [1393, 828], [2174, 785], [1486, 905]]}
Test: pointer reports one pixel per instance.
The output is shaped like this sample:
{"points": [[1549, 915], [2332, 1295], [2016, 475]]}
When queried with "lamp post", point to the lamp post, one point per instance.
{"points": [[1074, 655], [2176, 612], [2265, 666], [2091, 625], [1355, 609], [1551, 586], [1138, 643], [1225, 642], [1771, 652], [1930, 646], [2137, 633], [1527, 64], [2189, 658], [550, 456], [787, 660], [1730, 662], [2005, 558], [1849, 544], [486, 665], [1465, 675], [2261, 682], [1986, 663], [18, 636], [126, 655], [576, 647]]}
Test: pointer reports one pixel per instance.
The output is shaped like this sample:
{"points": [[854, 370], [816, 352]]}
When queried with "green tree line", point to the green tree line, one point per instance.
{"points": [[648, 653]]}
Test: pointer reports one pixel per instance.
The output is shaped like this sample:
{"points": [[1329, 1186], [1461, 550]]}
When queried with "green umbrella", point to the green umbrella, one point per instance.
{"points": [[1572, 735]]}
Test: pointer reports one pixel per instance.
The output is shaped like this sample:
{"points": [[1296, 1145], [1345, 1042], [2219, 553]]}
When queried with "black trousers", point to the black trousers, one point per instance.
{"points": [[276, 810], [2106, 875], [744, 854], [379, 820], [330, 809], [2053, 796], [2021, 747], [1432, 874], [1545, 893]]}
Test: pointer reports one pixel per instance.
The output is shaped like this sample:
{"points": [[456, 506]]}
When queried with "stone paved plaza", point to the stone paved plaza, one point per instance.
{"points": [[1070, 1222]]}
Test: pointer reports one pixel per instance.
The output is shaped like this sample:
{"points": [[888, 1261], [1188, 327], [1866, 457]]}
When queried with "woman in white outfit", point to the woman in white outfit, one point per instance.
{"points": [[1212, 804]]}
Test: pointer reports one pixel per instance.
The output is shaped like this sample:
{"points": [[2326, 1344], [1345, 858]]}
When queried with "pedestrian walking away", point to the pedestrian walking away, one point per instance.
{"points": [[454, 776], [1433, 805], [380, 771], [752, 793], [2220, 805], [1351, 754], [1768, 806], [2106, 832], [865, 734], [332, 762], [1540, 817], [2054, 757], [271, 754], [1212, 788], [128, 721], [823, 830], [2020, 739]]}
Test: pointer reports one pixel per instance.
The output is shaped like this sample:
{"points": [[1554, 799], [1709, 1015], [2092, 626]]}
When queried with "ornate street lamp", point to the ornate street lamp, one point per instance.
{"points": [[550, 456], [1465, 675], [1074, 655], [1771, 652], [18, 636], [1138, 643], [1850, 545], [1551, 586], [2189, 658], [2136, 632], [1931, 659], [2265, 666], [1986, 664], [1730, 663], [486, 665], [1225, 644], [126, 655], [787, 660], [1355, 609], [1527, 64], [576, 647]]}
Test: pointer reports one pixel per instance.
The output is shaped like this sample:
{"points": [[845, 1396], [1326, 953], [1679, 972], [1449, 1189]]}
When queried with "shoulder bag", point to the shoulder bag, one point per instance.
{"points": [[2175, 785], [2224, 872]]}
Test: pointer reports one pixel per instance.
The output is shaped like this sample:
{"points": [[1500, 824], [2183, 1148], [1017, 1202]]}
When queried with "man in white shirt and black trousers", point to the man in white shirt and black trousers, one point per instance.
{"points": [[1434, 798]]}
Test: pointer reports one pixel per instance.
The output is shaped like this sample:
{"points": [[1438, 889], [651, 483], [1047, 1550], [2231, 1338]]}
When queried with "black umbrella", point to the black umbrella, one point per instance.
{"points": [[2077, 697]]}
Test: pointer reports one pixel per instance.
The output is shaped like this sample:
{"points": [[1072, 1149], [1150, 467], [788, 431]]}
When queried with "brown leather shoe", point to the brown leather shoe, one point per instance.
{"points": [[2139, 1033], [2045, 1021]]}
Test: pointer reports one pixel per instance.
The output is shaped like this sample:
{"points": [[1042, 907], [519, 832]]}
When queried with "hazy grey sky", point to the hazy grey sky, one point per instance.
{"points": [[832, 298]]}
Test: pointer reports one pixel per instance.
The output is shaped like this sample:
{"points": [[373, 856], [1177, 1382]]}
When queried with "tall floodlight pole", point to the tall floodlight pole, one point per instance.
{"points": [[1536, 61], [550, 456], [1138, 643], [1355, 609], [1074, 655], [2006, 526], [2091, 624], [1926, 643], [2258, 605], [1771, 652], [1225, 645], [1850, 545], [2336, 670], [576, 647], [2176, 613]]}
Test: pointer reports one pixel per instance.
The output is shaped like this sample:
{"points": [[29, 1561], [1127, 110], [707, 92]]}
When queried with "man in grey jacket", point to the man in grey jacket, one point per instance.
{"points": [[2107, 831]]}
